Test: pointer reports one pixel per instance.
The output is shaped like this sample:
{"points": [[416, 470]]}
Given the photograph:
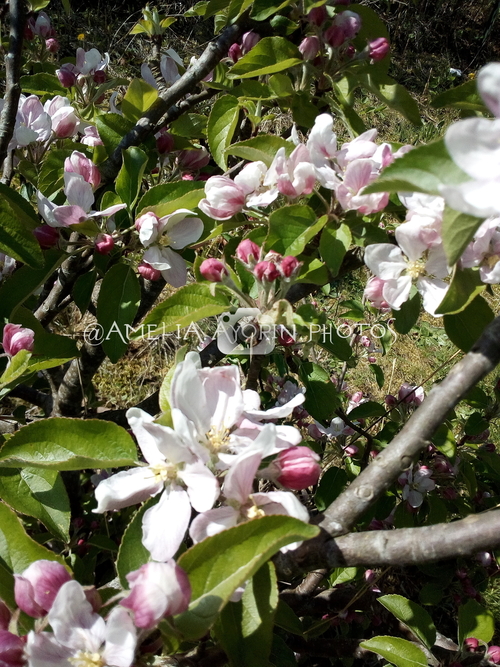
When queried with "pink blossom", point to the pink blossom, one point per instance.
{"points": [[293, 176], [309, 47], [317, 16], [471, 644], [17, 338], [47, 236], [11, 650], [346, 26], [62, 114], [267, 271], [157, 590], [32, 122], [289, 266], [104, 244], [416, 484], [359, 174], [484, 251], [41, 26], [78, 163], [248, 41], [296, 468], [248, 252], [194, 159], [164, 142], [213, 270], [89, 62], [67, 75], [224, 198], [91, 136], [52, 45], [322, 147], [147, 271], [411, 394], [378, 48], [36, 588], [493, 654], [234, 52]]}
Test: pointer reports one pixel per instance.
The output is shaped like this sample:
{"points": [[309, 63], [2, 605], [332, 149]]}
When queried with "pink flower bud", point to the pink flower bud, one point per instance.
{"points": [[91, 137], [148, 272], [309, 47], [409, 393], [485, 558], [47, 236], [157, 590], [36, 588], [289, 266], [194, 159], [390, 400], [248, 41], [164, 142], [317, 16], [266, 271], [471, 644], [52, 45], [374, 293], [28, 32], [378, 49], [297, 468], [99, 76], [334, 36], [493, 654], [285, 338], [104, 244], [79, 163], [17, 338], [213, 270], [350, 22], [314, 432], [11, 650], [248, 252], [372, 359], [351, 450], [66, 76], [235, 52]]}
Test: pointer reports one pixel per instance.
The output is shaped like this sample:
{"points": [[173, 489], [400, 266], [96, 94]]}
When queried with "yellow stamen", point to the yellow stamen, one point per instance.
{"points": [[87, 659], [164, 472], [255, 513], [416, 268]]}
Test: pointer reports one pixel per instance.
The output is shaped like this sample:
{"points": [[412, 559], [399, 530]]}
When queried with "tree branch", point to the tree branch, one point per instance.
{"points": [[347, 509], [12, 76], [146, 125]]}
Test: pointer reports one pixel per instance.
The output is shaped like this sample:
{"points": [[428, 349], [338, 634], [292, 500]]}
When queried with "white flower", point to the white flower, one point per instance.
{"points": [[416, 485]]}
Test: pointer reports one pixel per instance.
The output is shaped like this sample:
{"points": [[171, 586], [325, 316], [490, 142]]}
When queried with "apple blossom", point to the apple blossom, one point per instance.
{"points": [[295, 468], [234, 52], [80, 636], [411, 394], [78, 163], [147, 271], [194, 159], [317, 16], [493, 654], [164, 142], [157, 590], [416, 484], [7, 265], [17, 338], [223, 198], [213, 270], [248, 41], [173, 472], [266, 271], [63, 117], [293, 176], [309, 47], [36, 588], [67, 75], [322, 147], [484, 251], [32, 122], [104, 244], [89, 62], [358, 174], [169, 63], [248, 252], [378, 49], [289, 266], [161, 236], [11, 650], [91, 136], [41, 26]]}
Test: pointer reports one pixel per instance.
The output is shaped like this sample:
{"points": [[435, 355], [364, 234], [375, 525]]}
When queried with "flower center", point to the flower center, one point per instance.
{"points": [[87, 659], [217, 440], [164, 472], [492, 260], [164, 240], [416, 268], [255, 512]]}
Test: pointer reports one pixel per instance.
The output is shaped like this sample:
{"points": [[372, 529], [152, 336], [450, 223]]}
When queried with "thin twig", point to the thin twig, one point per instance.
{"points": [[12, 76]]}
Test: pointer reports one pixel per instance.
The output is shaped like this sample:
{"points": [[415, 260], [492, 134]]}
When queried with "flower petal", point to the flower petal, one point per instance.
{"points": [[164, 525], [121, 639], [126, 488]]}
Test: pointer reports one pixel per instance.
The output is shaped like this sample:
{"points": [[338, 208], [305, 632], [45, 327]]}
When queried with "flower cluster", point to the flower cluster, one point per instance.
{"points": [[218, 431]]}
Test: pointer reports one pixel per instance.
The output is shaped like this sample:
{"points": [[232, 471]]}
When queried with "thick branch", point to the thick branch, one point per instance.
{"points": [[347, 509], [12, 75], [405, 546], [146, 125]]}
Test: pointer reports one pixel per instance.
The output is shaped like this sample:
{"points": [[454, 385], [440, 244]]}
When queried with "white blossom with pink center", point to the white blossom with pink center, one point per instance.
{"points": [[173, 471], [322, 146], [241, 504], [80, 637], [474, 145], [359, 174], [416, 485], [33, 123], [484, 251], [293, 176]]}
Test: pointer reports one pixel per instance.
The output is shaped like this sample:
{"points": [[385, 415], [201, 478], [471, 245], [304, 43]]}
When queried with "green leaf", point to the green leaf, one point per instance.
{"points": [[464, 287], [219, 564], [190, 126], [407, 316], [330, 340], [117, 305], [474, 620], [291, 228], [393, 94], [38, 493], [17, 221], [399, 652], [112, 128], [236, 9], [169, 197], [164, 393], [331, 485], [322, 396], [367, 409], [312, 271], [245, 628], [423, 169], [444, 440], [132, 553], [17, 288], [415, 618], [17, 552], [262, 147], [379, 375], [69, 444], [281, 85], [464, 97], [287, 619], [82, 290], [263, 9], [41, 84], [221, 126], [465, 327], [129, 179], [333, 245], [270, 55], [17, 367], [188, 304], [138, 98], [457, 232]]}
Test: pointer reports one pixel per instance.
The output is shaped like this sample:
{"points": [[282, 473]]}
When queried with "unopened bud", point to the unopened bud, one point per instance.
{"points": [[104, 244], [289, 266], [17, 338], [235, 52], [248, 41], [11, 650], [309, 47], [317, 16], [52, 45], [266, 271], [66, 77], [297, 468], [165, 142], [378, 49], [47, 236], [248, 252], [99, 76], [213, 270], [148, 272]]}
